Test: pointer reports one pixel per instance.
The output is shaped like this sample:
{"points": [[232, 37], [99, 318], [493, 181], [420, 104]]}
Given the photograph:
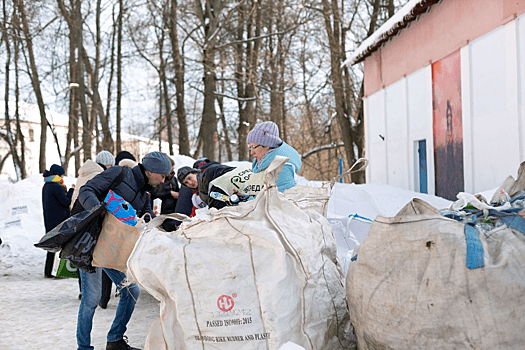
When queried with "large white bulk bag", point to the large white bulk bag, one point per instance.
{"points": [[409, 286], [254, 276]]}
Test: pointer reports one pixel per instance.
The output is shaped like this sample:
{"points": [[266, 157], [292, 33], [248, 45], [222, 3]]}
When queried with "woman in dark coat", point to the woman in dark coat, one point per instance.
{"points": [[56, 200]]}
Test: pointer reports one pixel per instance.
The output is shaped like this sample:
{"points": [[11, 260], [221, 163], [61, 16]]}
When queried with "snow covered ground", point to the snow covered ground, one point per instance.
{"points": [[39, 313]]}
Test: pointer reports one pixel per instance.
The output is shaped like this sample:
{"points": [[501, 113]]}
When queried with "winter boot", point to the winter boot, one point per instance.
{"points": [[121, 344]]}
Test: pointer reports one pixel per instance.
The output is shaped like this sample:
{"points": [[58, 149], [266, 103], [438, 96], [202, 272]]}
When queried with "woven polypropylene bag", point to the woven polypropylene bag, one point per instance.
{"points": [[255, 276], [409, 287]]}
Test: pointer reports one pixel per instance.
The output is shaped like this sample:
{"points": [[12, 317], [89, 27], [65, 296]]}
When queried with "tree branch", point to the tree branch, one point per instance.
{"points": [[322, 148]]}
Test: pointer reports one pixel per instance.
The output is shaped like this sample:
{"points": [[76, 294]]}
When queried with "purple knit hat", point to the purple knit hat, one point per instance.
{"points": [[265, 134]]}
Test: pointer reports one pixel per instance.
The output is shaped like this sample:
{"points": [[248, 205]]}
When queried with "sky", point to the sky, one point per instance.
{"points": [[40, 313]]}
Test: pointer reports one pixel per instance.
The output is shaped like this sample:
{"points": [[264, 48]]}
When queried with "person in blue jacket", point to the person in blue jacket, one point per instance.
{"points": [[133, 187], [264, 143], [56, 200]]}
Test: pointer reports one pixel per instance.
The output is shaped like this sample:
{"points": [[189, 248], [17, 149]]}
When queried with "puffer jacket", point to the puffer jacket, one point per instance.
{"points": [[87, 171], [207, 175], [133, 188], [286, 179]]}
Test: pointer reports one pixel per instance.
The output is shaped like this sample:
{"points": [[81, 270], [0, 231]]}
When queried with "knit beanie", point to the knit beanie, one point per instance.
{"points": [[185, 171], [265, 134], [57, 170], [105, 158], [200, 162], [157, 162], [124, 155]]}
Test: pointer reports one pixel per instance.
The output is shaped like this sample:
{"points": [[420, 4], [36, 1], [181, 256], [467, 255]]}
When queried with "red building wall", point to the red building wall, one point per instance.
{"points": [[447, 27]]}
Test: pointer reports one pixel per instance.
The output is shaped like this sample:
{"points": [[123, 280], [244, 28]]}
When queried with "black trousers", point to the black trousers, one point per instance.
{"points": [[50, 258], [106, 289]]}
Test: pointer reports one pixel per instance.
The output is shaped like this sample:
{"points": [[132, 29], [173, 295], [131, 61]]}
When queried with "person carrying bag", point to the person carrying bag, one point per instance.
{"points": [[118, 235], [133, 188]]}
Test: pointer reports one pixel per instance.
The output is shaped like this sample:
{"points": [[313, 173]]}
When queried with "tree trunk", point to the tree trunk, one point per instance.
{"points": [[209, 117], [10, 138], [78, 66], [331, 16], [119, 73], [94, 78], [247, 80], [108, 142], [35, 82], [86, 123], [20, 136], [240, 77], [165, 93], [184, 142], [227, 143]]}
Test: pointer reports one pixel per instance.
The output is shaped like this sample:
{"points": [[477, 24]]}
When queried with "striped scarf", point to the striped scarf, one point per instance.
{"points": [[57, 179]]}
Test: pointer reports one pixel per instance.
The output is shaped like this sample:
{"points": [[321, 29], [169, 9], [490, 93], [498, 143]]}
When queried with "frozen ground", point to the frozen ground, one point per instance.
{"points": [[41, 313]]}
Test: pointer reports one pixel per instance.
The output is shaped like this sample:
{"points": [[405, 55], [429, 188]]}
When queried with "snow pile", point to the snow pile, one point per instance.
{"points": [[21, 220]]}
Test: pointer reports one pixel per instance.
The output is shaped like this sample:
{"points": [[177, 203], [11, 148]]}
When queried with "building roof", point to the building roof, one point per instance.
{"points": [[401, 20]]}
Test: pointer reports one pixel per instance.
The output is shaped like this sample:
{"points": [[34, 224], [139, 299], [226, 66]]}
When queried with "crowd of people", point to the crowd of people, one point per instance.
{"points": [[205, 184]]}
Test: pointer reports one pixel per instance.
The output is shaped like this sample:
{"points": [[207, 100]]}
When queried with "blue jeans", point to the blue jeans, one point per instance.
{"points": [[91, 286]]}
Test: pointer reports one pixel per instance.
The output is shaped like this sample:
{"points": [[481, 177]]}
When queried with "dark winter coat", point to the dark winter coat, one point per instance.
{"points": [[163, 191], [55, 203], [184, 204], [133, 188], [209, 173]]}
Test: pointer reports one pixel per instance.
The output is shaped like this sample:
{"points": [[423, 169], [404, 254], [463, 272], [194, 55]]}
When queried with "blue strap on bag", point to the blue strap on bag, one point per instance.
{"points": [[475, 247]]}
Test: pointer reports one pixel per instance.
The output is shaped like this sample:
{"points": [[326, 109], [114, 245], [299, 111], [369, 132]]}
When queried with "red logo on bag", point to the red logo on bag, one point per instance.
{"points": [[225, 303]]}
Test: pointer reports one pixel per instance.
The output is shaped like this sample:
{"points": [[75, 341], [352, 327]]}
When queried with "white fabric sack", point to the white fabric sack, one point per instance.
{"points": [[349, 233], [253, 276], [409, 287], [310, 199]]}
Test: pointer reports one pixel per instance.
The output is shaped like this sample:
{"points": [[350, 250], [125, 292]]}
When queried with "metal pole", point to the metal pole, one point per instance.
{"points": [[341, 169]]}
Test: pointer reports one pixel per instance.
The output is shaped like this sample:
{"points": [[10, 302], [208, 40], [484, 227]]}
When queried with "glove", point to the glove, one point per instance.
{"points": [[169, 225]]}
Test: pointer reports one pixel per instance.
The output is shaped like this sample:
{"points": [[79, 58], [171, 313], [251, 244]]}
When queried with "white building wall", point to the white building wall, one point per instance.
{"points": [[419, 101], [377, 153], [402, 114], [495, 138], [396, 134], [493, 105]]}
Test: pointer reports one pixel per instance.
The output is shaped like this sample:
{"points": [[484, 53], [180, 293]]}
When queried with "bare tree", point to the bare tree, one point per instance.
{"points": [[178, 63], [277, 49], [155, 56], [35, 81], [164, 80], [119, 74], [345, 97], [247, 58], [19, 138], [209, 15], [110, 80], [14, 139]]}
